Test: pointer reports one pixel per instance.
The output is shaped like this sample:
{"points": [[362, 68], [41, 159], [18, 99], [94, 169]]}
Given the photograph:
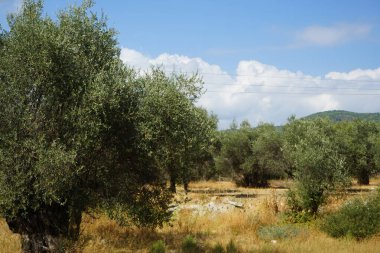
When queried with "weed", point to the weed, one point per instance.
{"points": [[231, 247], [190, 245], [218, 248], [276, 232], [158, 247]]}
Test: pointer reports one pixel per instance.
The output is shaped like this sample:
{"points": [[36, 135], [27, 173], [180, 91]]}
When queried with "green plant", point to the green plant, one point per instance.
{"points": [[276, 232], [218, 248], [190, 245], [318, 168], [158, 247], [298, 217], [358, 219], [231, 247]]}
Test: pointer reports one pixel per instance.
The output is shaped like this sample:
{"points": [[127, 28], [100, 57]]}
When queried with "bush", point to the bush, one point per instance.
{"points": [[190, 245], [231, 247], [218, 248], [277, 232], [158, 247], [358, 219]]}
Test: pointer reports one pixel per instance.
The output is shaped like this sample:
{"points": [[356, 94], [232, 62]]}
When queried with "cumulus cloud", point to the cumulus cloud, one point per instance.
{"points": [[332, 35], [261, 92], [357, 74]]}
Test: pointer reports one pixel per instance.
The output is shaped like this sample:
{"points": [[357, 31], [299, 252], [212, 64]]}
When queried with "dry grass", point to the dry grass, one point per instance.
{"points": [[261, 208], [317, 242], [9, 242], [219, 185]]}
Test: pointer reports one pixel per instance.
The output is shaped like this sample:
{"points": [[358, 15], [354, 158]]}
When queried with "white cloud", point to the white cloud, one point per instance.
{"points": [[135, 58], [357, 74], [323, 102], [261, 92], [332, 35]]}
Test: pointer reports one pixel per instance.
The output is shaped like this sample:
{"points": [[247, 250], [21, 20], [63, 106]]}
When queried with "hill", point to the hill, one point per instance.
{"points": [[339, 115]]}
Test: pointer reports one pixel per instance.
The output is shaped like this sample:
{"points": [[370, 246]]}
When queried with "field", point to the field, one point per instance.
{"points": [[218, 213]]}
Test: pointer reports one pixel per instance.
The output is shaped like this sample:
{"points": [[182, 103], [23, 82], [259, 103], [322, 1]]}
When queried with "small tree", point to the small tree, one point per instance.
{"points": [[319, 169], [266, 161], [177, 133], [252, 155], [357, 142], [235, 150]]}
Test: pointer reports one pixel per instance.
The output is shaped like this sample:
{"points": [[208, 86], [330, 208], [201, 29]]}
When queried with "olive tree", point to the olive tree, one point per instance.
{"points": [[251, 155], [266, 161], [69, 128], [177, 133], [319, 168], [357, 142], [234, 151]]}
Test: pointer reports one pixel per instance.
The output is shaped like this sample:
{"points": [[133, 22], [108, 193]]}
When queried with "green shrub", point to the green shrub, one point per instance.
{"points": [[358, 219], [158, 247], [298, 217], [277, 232], [231, 247], [218, 248], [190, 245]]}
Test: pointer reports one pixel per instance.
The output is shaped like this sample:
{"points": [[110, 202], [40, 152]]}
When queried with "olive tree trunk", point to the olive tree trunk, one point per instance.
{"points": [[363, 177], [45, 229]]}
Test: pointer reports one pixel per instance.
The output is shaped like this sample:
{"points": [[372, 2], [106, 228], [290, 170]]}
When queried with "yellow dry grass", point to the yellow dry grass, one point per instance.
{"points": [[261, 208], [9, 242], [220, 185]]}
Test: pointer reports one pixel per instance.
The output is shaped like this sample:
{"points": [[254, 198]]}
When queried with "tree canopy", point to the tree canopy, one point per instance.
{"points": [[318, 167]]}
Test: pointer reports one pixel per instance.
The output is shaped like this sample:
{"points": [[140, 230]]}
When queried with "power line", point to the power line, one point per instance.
{"points": [[292, 93], [301, 78], [277, 76], [294, 87], [304, 77]]}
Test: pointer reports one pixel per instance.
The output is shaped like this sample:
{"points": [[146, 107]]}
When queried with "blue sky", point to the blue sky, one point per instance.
{"points": [[272, 43]]}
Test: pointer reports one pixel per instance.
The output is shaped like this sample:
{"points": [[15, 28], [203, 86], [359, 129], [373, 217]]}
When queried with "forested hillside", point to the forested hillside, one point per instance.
{"points": [[340, 115]]}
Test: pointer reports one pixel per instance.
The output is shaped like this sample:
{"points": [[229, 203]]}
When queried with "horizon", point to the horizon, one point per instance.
{"points": [[260, 62]]}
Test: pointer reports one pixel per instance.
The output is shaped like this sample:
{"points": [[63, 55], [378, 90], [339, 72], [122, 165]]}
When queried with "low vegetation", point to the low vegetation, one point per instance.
{"points": [[358, 218], [158, 247]]}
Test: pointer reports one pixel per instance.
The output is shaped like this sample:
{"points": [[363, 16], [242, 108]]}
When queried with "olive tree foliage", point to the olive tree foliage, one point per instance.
{"points": [[235, 148], [70, 128], [377, 147], [251, 155], [357, 141], [178, 134], [319, 168], [267, 160]]}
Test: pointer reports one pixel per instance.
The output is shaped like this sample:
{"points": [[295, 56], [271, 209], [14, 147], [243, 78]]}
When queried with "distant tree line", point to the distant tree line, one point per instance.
{"points": [[319, 154]]}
